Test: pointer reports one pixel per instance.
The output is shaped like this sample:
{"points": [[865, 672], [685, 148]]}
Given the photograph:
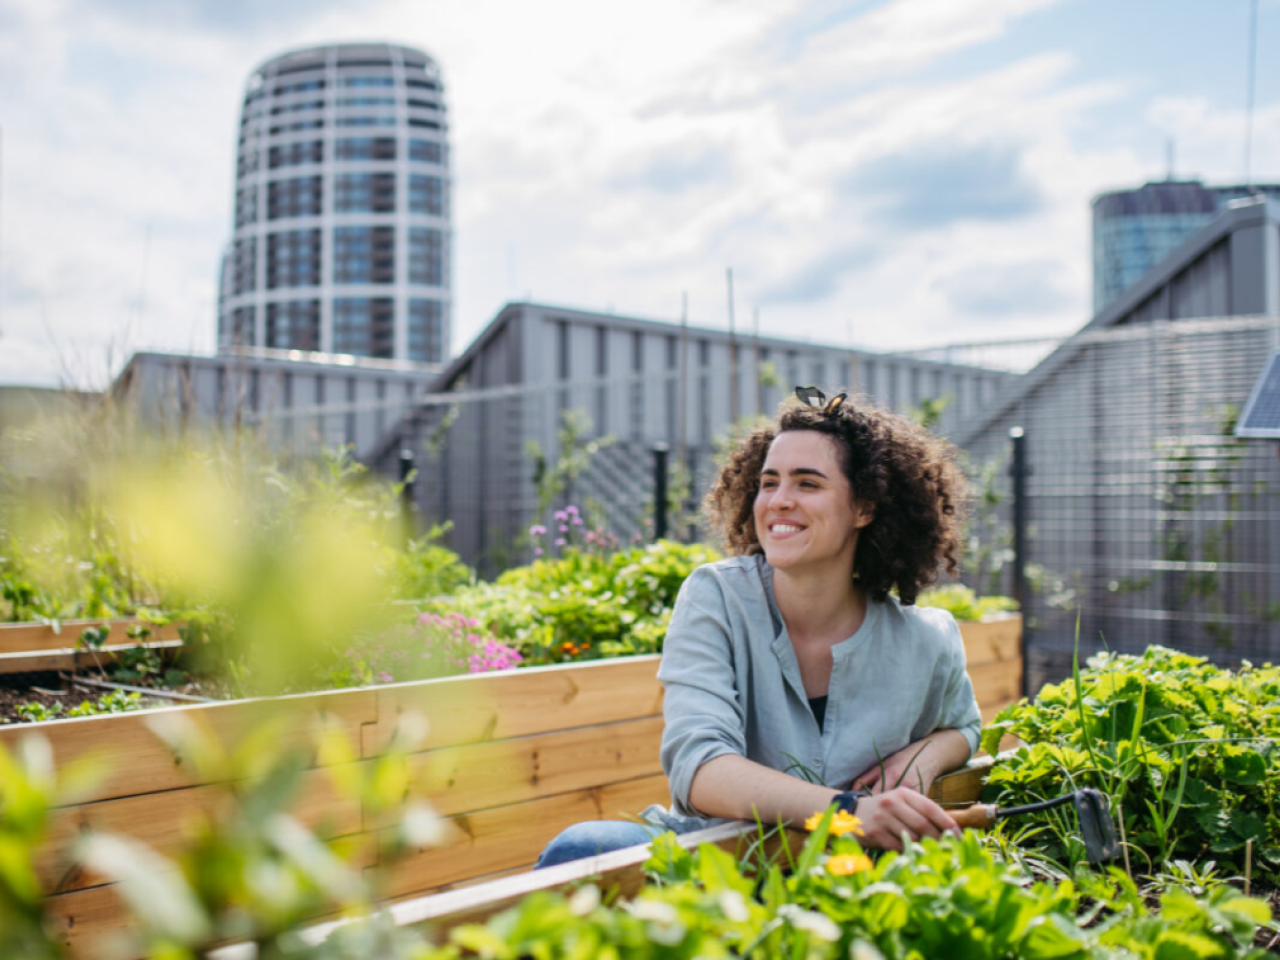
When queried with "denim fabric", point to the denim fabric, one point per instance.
{"points": [[595, 837]]}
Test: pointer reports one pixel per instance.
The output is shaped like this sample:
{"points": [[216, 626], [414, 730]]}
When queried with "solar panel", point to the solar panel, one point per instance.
{"points": [[1261, 416]]}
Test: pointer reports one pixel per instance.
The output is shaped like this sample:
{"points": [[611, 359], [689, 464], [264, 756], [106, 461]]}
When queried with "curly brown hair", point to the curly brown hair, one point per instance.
{"points": [[906, 474]]}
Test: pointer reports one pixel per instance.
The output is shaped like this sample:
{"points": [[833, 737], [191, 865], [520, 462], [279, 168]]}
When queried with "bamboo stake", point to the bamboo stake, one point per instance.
{"points": [[1248, 865]]}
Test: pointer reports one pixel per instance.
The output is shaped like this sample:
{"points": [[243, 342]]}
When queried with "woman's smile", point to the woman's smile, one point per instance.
{"points": [[804, 511]]}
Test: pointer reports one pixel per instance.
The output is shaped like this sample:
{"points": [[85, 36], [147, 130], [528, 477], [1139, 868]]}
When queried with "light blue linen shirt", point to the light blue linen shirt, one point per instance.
{"points": [[733, 686]]}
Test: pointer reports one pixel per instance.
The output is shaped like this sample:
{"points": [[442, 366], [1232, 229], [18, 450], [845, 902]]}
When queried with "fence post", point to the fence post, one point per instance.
{"points": [[407, 480], [659, 491], [1018, 472]]}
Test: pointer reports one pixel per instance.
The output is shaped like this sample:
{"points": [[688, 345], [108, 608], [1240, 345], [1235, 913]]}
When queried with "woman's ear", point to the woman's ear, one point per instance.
{"points": [[863, 513]]}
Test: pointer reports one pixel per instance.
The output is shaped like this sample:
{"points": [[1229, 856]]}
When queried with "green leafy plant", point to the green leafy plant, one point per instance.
{"points": [[939, 898], [114, 701], [584, 603], [1185, 749]]}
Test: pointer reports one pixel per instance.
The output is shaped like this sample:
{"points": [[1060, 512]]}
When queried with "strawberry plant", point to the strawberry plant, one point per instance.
{"points": [[1185, 749]]}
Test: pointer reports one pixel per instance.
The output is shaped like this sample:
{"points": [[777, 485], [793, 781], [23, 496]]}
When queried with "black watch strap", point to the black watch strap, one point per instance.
{"points": [[847, 800]]}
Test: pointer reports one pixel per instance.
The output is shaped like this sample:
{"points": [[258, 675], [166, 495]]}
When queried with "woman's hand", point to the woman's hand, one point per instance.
{"points": [[913, 767], [918, 764], [887, 816]]}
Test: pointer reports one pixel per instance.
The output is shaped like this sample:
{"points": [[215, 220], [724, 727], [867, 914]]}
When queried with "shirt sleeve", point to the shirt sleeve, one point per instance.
{"points": [[703, 710], [960, 706]]}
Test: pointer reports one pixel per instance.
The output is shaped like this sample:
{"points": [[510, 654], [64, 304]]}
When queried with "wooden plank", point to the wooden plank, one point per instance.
{"points": [[962, 787], [26, 637], [992, 641], [69, 658], [620, 871], [91, 924], [161, 821], [513, 703], [997, 684], [461, 779], [94, 924], [132, 760], [511, 837]]}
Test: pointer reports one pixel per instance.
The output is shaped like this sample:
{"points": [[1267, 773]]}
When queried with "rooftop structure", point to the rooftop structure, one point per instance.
{"points": [[1133, 230]]}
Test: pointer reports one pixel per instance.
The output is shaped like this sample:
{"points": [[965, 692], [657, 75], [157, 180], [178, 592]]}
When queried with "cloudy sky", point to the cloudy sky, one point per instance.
{"points": [[899, 174]]}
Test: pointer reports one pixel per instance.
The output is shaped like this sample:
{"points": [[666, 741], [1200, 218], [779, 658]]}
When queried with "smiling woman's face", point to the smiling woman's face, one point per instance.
{"points": [[805, 514]]}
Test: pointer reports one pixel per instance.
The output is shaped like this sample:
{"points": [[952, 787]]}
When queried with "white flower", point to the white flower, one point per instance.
{"points": [[584, 901], [862, 950], [664, 925], [654, 910], [817, 924], [734, 907]]}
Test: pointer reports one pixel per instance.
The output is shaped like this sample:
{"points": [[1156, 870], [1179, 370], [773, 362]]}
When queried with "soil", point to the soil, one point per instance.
{"points": [[52, 688]]}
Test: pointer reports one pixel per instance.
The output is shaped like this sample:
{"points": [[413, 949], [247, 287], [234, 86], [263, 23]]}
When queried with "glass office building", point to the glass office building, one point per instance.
{"points": [[1133, 230], [342, 235]]}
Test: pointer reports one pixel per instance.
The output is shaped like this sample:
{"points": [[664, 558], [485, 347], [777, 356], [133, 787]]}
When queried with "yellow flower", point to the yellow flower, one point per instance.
{"points": [[842, 823], [846, 864]]}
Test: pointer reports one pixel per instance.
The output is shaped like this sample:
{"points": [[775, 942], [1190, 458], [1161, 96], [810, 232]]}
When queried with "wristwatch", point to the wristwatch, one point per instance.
{"points": [[847, 800]]}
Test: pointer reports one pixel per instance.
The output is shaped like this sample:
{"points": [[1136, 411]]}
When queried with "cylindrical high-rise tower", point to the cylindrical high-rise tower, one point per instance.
{"points": [[342, 239]]}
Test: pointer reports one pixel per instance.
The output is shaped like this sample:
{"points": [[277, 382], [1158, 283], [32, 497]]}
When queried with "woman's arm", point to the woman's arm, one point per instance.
{"points": [[917, 765], [737, 788]]}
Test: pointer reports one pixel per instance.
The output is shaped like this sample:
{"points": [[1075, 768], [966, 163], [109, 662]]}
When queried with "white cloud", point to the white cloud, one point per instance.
{"points": [[602, 156], [1210, 142]]}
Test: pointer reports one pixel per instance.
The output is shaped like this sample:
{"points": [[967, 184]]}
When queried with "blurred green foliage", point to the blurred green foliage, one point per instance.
{"points": [[964, 604], [244, 869]]}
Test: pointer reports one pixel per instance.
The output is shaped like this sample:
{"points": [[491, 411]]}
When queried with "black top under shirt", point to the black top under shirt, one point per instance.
{"points": [[819, 707]]}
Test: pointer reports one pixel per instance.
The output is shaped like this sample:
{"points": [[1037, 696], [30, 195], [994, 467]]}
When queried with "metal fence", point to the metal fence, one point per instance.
{"points": [[1149, 521]]}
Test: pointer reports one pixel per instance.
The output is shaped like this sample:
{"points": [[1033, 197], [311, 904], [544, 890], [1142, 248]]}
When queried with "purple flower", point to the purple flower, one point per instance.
{"points": [[537, 551], [577, 521], [560, 541], [564, 528], [561, 516], [571, 509], [537, 530]]}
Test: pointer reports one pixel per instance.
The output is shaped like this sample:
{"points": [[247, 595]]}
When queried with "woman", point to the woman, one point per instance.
{"points": [[794, 678]]}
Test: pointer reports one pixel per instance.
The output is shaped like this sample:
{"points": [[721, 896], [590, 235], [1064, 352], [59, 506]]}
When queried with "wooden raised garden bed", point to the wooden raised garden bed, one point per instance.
{"points": [[29, 647], [510, 759]]}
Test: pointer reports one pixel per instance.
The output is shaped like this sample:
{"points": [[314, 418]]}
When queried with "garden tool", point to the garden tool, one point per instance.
{"points": [[1096, 826]]}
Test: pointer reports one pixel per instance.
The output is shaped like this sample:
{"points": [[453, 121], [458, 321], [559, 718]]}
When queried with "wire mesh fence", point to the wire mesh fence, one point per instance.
{"points": [[1150, 522]]}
